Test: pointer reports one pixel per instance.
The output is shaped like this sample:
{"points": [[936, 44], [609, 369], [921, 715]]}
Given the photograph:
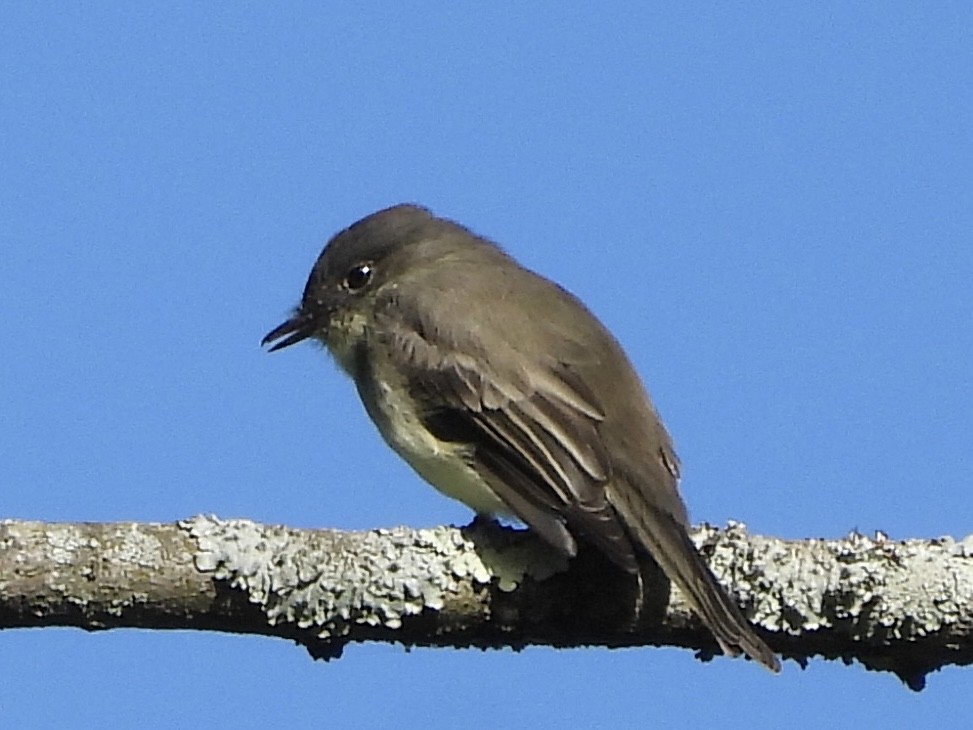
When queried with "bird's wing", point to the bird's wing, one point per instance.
{"points": [[537, 433], [532, 429]]}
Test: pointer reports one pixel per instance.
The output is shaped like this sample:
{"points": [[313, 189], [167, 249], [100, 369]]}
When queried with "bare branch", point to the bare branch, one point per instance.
{"points": [[904, 607]]}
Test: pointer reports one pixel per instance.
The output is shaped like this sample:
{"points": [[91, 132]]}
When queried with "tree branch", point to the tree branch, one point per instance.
{"points": [[904, 607]]}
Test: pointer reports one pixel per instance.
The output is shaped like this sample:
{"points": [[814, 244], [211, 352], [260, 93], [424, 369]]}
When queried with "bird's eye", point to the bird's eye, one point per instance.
{"points": [[358, 276]]}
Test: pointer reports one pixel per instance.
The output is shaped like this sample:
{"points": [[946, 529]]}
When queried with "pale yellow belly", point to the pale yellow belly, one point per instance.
{"points": [[440, 463]]}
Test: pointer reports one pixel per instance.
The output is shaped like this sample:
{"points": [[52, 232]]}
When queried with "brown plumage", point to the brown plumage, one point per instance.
{"points": [[504, 391]]}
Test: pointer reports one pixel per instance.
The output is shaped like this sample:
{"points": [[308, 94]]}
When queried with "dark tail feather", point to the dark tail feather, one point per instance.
{"points": [[669, 545], [715, 607]]}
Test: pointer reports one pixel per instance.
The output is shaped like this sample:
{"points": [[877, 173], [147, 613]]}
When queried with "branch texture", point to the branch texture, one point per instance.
{"points": [[904, 607]]}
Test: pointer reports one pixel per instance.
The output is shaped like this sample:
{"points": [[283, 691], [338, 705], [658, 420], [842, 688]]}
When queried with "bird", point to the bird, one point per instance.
{"points": [[503, 391]]}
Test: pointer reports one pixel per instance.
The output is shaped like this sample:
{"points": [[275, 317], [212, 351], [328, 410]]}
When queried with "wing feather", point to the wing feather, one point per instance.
{"points": [[533, 434]]}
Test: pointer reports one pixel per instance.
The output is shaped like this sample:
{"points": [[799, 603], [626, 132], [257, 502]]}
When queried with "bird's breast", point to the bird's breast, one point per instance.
{"points": [[445, 465]]}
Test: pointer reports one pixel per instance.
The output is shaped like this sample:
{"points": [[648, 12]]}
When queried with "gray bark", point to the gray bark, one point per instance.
{"points": [[904, 607]]}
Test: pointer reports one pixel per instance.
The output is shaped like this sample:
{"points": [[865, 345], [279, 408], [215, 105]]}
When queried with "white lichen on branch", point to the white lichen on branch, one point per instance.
{"points": [[900, 606], [376, 579]]}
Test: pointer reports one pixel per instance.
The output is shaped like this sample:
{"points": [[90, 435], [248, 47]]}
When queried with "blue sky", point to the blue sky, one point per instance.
{"points": [[772, 207]]}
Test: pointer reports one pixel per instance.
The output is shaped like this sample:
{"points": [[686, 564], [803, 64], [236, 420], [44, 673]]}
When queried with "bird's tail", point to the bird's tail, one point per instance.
{"points": [[666, 540]]}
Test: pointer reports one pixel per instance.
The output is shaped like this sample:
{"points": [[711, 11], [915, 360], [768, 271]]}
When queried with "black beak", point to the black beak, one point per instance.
{"points": [[297, 328]]}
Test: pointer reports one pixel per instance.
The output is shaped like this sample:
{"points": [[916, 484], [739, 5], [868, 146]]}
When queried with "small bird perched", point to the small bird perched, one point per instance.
{"points": [[503, 391]]}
